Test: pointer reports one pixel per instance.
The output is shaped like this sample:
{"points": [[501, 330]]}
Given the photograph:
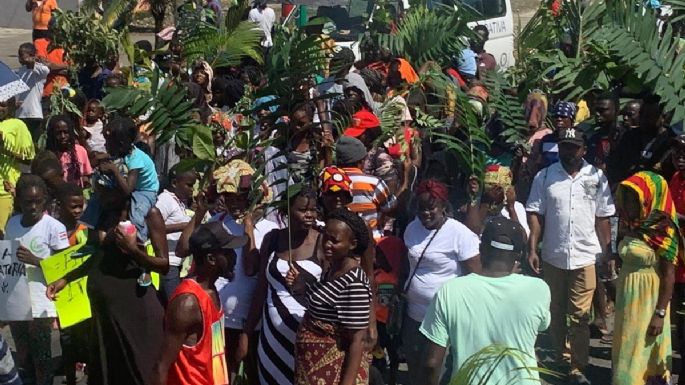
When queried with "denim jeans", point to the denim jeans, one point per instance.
{"points": [[141, 203]]}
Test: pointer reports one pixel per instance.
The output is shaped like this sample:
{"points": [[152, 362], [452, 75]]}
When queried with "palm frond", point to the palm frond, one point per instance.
{"points": [[507, 109], [167, 109], [481, 366], [116, 10], [634, 39], [220, 46], [417, 39]]}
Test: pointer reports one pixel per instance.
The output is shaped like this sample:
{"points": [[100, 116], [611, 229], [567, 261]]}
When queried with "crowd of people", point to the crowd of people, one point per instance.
{"points": [[384, 252]]}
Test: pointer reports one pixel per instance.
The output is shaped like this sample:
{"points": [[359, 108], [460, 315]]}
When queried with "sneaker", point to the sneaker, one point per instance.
{"points": [[578, 378]]}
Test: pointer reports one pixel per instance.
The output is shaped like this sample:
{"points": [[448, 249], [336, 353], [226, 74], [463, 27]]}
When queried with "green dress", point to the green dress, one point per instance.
{"points": [[637, 357]]}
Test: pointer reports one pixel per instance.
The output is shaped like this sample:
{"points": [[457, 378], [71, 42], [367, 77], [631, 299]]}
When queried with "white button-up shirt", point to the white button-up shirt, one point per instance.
{"points": [[569, 206]]}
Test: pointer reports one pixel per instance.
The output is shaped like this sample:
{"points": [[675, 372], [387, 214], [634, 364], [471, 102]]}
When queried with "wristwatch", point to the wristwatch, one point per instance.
{"points": [[661, 313]]}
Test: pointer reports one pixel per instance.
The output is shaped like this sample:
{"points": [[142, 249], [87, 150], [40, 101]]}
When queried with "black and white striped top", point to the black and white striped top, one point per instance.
{"points": [[345, 300]]}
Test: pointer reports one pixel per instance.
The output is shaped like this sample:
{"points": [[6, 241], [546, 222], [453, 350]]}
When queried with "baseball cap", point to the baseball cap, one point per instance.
{"points": [[572, 135], [362, 120], [503, 235], [213, 237]]}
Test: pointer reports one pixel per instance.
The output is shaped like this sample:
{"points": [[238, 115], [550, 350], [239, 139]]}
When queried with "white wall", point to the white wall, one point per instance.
{"points": [[14, 15]]}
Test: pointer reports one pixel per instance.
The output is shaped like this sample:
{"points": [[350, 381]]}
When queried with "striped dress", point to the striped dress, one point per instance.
{"points": [[282, 315]]}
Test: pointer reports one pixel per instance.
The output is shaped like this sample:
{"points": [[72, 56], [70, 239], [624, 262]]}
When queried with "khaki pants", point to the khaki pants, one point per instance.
{"points": [[572, 292]]}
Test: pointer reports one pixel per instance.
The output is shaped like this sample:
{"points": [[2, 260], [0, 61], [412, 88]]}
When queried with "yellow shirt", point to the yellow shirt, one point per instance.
{"points": [[17, 145]]}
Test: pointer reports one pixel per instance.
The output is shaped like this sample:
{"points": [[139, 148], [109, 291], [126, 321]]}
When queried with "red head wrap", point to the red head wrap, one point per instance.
{"points": [[437, 190]]}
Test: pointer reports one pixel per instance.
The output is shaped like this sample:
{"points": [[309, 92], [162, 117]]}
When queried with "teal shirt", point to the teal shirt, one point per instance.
{"points": [[472, 312], [147, 175]]}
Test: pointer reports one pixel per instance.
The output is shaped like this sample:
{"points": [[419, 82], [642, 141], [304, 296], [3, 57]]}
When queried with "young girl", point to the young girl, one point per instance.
{"points": [[61, 140], [39, 236], [93, 126], [132, 172]]}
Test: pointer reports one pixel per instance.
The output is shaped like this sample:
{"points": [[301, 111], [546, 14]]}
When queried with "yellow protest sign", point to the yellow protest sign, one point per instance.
{"points": [[72, 304]]}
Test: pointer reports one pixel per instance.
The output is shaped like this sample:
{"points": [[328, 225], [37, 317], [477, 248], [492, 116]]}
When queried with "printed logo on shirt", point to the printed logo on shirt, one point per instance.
{"points": [[63, 236], [36, 245], [220, 372]]}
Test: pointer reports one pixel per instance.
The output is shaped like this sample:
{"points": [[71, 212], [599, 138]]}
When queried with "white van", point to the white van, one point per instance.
{"points": [[498, 16]]}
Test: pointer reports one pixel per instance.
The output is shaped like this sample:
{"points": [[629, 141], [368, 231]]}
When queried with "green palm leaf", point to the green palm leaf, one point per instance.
{"points": [[416, 38], [223, 47]]}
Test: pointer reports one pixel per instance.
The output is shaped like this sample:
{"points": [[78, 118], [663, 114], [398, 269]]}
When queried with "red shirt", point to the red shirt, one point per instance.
{"points": [[205, 362], [677, 187]]}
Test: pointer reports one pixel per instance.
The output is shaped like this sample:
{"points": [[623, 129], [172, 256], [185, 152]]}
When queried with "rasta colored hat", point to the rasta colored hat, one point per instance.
{"points": [[334, 179], [361, 121], [502, 235], [497, 175], [213, 236]]}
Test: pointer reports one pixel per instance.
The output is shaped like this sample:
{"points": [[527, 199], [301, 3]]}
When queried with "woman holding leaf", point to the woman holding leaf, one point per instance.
{"points": [[299, 247]]}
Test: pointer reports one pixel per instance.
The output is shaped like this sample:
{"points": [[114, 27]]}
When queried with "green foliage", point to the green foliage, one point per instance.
{"points": [[221, 46], [479, 368], [85, 39], [508, 109], [166, 107], [614, 45], [634, 39], [417, 39]]}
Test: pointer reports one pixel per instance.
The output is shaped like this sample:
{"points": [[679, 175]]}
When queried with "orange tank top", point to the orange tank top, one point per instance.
{"points": [[205, 362]]}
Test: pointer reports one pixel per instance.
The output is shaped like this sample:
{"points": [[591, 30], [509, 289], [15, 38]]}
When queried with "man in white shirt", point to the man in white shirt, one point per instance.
{"points": [[265, 17], [34, 74], [570, 203]]}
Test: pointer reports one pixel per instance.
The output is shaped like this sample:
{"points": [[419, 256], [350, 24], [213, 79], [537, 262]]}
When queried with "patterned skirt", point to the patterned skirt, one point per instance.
{"points": [[320, 356]]}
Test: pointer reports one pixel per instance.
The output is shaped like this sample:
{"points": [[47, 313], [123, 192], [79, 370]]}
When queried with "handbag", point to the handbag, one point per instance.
{"points": [[398, 304]]}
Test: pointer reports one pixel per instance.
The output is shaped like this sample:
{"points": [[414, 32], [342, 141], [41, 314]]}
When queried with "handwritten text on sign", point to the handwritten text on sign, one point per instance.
{"points": [[15, 300]]}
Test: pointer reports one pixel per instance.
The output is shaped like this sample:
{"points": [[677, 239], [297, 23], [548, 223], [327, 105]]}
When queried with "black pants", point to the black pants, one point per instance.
{"points": [[75, 348]]}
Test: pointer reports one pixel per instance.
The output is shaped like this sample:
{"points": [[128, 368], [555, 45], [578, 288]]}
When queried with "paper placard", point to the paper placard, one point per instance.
{"points": [[72, 304], [15, 298]]}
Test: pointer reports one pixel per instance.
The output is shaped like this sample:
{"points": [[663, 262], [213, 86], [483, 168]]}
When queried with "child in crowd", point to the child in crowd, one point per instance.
{"points": [[73, 339], [132, 171], [39, 236], [46, 166], [61, 140], [33, 74], [173, 204], [389, 253], [93, 124]]}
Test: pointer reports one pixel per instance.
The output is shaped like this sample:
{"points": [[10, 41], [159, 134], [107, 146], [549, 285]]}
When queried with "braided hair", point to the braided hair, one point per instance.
{"points": [[73, 168], [356, 224]]}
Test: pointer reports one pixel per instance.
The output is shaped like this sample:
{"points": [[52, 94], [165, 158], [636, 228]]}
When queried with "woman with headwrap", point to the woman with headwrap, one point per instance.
{"points": [[439, 249], [203, 76], [497, 198], [649, 250]]}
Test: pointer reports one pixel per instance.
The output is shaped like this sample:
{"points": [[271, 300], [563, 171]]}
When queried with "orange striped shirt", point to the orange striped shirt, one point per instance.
{"points": [[370, 195]]}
